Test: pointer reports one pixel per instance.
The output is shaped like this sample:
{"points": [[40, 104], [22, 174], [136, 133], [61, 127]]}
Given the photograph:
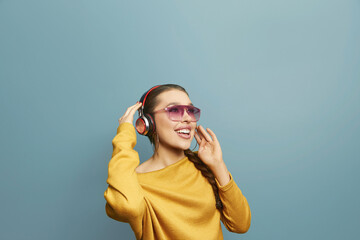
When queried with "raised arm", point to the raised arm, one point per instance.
{"points": [[236, 214], [124, 195]]}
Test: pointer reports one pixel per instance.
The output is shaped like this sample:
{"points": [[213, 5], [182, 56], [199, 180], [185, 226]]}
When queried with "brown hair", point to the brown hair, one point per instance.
{"points": [[150, 104]]}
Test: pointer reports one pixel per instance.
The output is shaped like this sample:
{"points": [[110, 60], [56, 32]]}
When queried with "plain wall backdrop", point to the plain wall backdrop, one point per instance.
{"points": [[277, 81]]}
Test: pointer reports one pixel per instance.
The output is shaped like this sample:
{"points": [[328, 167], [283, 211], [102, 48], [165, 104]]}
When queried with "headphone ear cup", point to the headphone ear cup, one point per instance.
{"points": [[151, 121], [145, 125], [142, 125]]}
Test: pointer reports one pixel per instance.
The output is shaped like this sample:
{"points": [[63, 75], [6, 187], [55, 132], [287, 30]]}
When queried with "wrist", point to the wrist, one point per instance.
{"points": [[217, 164], [221, 173]]}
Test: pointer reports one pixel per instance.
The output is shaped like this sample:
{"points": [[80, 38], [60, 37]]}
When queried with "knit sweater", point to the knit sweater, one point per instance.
{"points": [[175, 202]]}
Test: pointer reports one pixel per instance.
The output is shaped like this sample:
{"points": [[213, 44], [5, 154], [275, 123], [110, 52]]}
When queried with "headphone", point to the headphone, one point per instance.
{"points": [[145, 124]]}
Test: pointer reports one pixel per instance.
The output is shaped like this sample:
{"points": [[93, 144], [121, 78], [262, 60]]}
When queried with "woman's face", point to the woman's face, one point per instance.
{"points": [[166, 128]]}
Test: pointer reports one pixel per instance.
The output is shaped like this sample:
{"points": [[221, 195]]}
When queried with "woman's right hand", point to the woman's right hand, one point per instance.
{"points": [[129, 114]]}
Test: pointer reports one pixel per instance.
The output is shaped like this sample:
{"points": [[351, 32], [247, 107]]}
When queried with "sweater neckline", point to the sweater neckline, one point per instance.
{"points": [[165, 168]]}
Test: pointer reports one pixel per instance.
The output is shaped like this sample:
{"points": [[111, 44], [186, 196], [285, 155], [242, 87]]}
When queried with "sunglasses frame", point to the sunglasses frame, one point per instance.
{"points": [[167, 109]]}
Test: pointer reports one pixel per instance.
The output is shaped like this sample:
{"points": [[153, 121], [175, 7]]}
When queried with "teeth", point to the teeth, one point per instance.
{"points": [[183, 131]]}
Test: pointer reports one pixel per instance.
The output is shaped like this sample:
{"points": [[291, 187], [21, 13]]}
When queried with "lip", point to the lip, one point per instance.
{"points": [[184, 136], [184, 127]]}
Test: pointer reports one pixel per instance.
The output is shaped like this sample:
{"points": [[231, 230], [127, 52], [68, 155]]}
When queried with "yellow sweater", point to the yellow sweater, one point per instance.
{"points": [[175, 202]]}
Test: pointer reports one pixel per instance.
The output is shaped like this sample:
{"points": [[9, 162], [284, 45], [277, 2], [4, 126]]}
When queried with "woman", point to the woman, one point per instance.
{"points": [[177, 193]]}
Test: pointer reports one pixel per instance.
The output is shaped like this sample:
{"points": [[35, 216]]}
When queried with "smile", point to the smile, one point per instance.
{"points": [[184, 133]]}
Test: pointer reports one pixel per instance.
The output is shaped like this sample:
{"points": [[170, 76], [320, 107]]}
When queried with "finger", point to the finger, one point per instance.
{"points": [[212, 134], [202, 144], [135, 108], [205, 134], [199, 132], [197, 138], [127, 111], [202, 137], [131, 108]]}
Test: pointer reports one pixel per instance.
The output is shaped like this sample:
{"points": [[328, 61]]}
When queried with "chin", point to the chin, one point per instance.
{"points": [[185, 146], [179, 143]]}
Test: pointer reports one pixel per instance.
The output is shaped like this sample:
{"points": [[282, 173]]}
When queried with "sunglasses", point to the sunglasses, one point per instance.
{"points": [[176, 112]]}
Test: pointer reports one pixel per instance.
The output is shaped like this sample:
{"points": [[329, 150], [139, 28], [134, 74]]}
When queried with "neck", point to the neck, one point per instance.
{"points": [[166, 156]]}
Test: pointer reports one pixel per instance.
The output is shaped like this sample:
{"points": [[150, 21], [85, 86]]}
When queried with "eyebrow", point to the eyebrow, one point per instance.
{"points": [[177, 103]]}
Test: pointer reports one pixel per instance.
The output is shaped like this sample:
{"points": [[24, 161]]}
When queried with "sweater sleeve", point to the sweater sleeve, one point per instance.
{"points": [[124, 196], [236, 214]]}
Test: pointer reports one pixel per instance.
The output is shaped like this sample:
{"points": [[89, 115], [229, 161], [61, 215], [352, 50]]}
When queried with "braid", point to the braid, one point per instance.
{"points": [[207, 173]]}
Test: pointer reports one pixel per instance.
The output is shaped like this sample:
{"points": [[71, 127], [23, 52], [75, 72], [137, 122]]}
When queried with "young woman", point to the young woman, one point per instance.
{"points": [[176, 193]]}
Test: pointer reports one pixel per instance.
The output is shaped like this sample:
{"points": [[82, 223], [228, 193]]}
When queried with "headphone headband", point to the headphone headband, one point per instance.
{"points": [[145, 123], [147, 93]]}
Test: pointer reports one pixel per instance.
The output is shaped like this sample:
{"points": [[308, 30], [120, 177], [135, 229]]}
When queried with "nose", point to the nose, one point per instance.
{"points": [[186, 116]]}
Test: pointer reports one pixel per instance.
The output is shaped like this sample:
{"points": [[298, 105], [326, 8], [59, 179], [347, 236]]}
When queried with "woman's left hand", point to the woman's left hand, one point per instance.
{"points": [[209, 147]]}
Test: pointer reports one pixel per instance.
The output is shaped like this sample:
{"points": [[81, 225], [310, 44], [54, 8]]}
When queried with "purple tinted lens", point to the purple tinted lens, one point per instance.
{"points": [[176, 112]]}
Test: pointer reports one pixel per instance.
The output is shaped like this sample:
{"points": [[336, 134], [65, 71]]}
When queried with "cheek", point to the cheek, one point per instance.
{"points": [[164, 126]]}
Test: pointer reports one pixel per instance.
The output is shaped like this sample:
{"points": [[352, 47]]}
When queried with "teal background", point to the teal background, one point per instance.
{"points": [[277, 81]]}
